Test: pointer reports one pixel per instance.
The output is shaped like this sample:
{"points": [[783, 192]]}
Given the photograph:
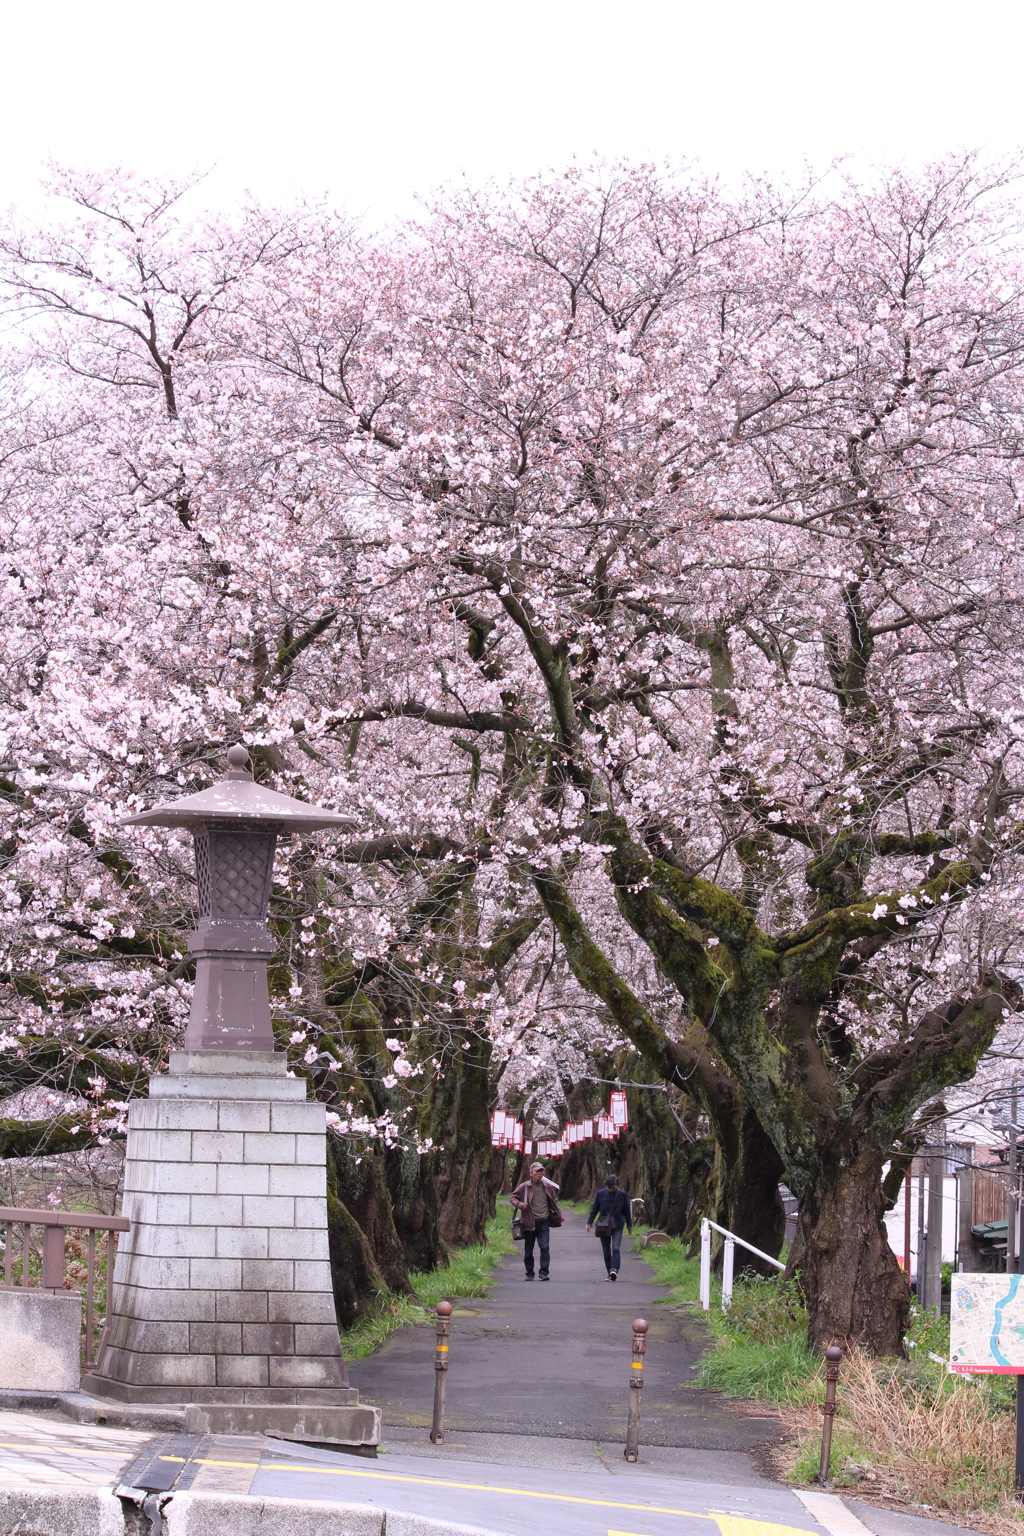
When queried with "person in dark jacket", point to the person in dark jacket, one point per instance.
{"points": [[611, 1207], [537, 1199]]}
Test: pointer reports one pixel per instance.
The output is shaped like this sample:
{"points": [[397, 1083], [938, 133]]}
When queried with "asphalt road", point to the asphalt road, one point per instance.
{"points": [[561, 1487], [533, 1501], [554, 1359]]}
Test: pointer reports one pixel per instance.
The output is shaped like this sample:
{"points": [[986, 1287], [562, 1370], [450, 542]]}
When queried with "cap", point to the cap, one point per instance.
{"points": [[536, 1165], [237, 798]]}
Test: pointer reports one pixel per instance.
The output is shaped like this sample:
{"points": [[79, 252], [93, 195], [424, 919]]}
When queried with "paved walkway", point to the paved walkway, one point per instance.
{"points": [[543, 1485], [526, 1500], [40, 1452], [554, 1359]]}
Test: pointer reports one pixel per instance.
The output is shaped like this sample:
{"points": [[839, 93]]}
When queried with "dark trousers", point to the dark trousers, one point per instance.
{"points": [[611, 1245], [541, 1235]]}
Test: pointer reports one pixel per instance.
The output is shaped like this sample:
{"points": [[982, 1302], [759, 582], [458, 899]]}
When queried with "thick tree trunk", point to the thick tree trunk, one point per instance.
{"points": [[460, 1126], [360, 1186], [355, 1277], [855, 1289], [757, 1210], [742, 1195], [412, 1183], [469, 1191]]}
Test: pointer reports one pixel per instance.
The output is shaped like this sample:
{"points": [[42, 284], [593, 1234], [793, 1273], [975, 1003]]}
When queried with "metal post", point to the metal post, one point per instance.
{"points": [[636, 1386], [833, 1355], [965, 1217], [53, 1258], [922, 1164], [728, 1265], [908, 1190], [933, 1252], [705, 1265], [1011, 1246], [1011, 1198], [1015, 1179], [444, 1328]]}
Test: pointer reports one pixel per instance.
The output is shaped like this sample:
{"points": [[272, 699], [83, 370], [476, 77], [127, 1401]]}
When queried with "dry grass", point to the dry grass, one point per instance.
{"points": [[901, 1437]]}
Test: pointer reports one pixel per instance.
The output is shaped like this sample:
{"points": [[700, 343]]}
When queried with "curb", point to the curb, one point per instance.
{"points": [[81, 1408], [99, 1512], [239, 1514], [60, 1512]]}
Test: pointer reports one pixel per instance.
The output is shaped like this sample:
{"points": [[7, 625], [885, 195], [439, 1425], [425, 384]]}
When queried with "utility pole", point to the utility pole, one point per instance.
{"points": [[1013, 1265], [1011, 1204], [922, 1165], [908, 1192], [933, 1249]]}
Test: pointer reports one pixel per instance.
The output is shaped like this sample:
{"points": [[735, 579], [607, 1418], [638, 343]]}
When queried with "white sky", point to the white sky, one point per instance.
{"points": [[371, 103]]}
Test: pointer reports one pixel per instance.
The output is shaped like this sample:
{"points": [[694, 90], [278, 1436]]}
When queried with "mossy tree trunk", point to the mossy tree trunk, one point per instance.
{"points": [[435, 1186], [854, 1287], [831, 1131], [742, 1192], [355, 1275]]}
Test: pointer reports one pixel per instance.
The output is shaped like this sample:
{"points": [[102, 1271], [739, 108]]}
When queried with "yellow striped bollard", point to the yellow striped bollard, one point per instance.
{"points": [[636, 1386], [444, 1328]]}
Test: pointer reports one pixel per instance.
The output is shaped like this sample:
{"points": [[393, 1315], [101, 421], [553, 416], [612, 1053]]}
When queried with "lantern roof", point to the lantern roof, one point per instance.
{"points": [[238, 798]]}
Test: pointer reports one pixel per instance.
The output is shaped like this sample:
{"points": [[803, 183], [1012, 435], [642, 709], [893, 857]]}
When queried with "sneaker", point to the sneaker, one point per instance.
{"points": [[527, 1277], [613, 1275], [545, 1277], [608, 1276]]}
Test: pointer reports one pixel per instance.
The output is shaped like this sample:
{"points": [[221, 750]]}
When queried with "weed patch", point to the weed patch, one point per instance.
{"points": [[469, 1273], [673, 1268], [782, 1373], [938, 1442], [906, 1431]]}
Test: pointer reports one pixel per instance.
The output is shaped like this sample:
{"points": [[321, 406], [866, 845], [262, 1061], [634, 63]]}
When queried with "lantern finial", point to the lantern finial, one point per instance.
{"points": [[238, 763]]}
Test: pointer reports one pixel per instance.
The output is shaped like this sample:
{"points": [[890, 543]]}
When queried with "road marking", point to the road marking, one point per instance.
{"points": [[736, 1525], [739, 1526], [830, 1511], [742, 1525], [728, 1525]]}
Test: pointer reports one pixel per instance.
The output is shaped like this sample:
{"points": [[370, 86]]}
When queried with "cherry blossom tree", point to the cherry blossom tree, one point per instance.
{"points": [[724, 500], [638, 563]]}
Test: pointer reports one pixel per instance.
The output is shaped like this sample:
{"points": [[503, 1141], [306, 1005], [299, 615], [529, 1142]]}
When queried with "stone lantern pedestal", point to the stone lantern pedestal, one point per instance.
{"points": [[222, 1286]]}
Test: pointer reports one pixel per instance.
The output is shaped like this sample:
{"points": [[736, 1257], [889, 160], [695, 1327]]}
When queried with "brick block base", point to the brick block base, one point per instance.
{"points": [[222, 1287]]}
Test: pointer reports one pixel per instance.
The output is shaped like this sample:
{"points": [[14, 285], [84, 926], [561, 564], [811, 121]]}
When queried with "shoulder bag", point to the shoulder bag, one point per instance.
{"points": [[603, 1225]]}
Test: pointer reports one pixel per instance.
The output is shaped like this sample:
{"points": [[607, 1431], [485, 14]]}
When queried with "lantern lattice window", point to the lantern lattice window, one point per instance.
{"points": [[233, 872]]}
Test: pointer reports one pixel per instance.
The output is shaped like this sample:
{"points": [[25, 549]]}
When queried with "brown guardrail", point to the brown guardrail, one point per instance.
{"points": [[53, 1258]]}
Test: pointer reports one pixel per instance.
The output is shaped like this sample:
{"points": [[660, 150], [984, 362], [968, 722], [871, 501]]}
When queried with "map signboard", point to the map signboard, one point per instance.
{"points": [[986, 1324]]}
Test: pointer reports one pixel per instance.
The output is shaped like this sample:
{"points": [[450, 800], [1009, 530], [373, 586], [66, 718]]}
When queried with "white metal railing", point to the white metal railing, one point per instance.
{"points": [[728, 1262]]}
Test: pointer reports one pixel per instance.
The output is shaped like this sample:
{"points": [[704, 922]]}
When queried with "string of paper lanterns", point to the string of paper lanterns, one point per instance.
{"points": [[507, 1131]]}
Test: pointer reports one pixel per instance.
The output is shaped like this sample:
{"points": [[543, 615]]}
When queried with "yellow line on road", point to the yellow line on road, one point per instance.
{"points": [[441, 1482], [524, 1493]]}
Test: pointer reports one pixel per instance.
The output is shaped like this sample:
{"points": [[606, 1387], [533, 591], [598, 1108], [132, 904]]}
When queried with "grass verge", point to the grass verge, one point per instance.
{"points": [[470, 1272], [907, 1432]]}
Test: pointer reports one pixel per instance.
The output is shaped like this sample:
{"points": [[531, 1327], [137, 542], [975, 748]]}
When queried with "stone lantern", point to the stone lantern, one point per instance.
{"points": [[222, 1286], [235, 827]]}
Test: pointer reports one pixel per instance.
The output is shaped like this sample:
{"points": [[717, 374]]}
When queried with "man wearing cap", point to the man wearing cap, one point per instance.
{"points": [[537, 1199]]}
